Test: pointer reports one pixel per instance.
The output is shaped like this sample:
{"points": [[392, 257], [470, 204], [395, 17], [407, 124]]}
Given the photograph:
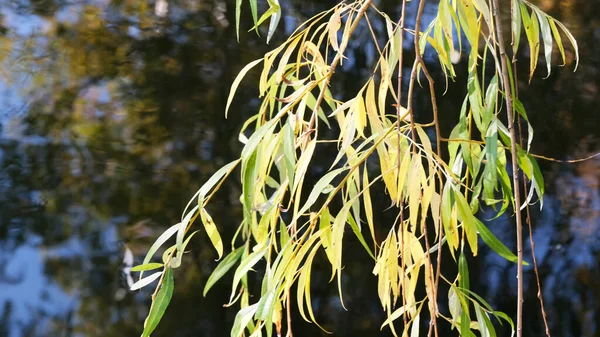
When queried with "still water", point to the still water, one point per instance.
{"points": [[111, 117]]}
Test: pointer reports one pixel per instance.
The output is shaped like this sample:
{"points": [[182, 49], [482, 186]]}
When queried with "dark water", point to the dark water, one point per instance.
{"points": [[111, 117]]}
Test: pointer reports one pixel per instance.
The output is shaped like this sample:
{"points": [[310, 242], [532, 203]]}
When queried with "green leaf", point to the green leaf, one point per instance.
{"points": [[244, 267], [254, 11], [486, 328], [573, 42], [359, 235], [160, 303], [176, 261], [319, 187], [228, 262], [516, 25], [147, 266], [212, 181], [468, 220], [496, 244], [463, 271]]}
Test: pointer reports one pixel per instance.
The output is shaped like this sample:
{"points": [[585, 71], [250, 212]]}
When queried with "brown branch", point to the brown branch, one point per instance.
{"points": [[515, 167]]}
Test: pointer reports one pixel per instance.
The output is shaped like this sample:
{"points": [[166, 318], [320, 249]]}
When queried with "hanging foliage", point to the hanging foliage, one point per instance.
{"points": [[437, 197]]}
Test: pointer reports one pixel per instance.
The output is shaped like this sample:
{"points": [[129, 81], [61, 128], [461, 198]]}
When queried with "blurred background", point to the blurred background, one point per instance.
{"points": [[111, 117]]}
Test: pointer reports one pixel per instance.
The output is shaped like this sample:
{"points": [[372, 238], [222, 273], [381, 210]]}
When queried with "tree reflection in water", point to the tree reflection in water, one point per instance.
{"points": [[111, 117]]}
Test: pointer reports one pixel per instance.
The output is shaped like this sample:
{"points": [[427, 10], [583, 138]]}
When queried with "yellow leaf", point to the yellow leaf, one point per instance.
{"points": [[360, 114], [283, 62], [334, 24], [212, 231], [367, 204], [237, 81]]}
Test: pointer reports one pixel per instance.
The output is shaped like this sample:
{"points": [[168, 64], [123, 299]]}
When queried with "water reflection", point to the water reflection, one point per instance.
{"points": [[112, 117]]}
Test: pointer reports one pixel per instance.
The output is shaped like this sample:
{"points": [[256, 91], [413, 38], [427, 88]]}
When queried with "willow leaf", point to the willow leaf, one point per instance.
{"points": [[546, 37], [160, 303], [238, 79], [212, 231], [242, 319], [492, 241], [166, 235], [245, 265], [147, 266], [145, 281]]}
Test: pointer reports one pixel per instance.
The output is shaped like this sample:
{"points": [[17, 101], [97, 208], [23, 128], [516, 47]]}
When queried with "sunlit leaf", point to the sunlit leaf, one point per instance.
{"points": [[160, 303], [495, 244], [224, 266], [146, 281], [242, 319], [238, 79], [147, 266], [212, 231]]}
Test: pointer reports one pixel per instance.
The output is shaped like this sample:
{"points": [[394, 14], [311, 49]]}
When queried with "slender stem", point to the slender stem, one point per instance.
{"points": [[515, 167], [414, 74], [288, 310], [334, 63]]}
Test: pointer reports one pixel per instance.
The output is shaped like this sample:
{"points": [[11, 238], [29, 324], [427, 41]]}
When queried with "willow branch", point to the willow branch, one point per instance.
{"points": [[414, 74], [336, 60], [515, 167]]}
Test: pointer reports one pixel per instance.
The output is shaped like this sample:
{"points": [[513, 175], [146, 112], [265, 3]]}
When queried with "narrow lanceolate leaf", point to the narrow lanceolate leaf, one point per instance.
{"points": [[176, 261], [146, 281], [212, 231], [558, 39], [238, 13], [485, 324], [237, 81], [546, 37], [496, 245], [334, 24], [573, 42], [166, 235], [516, 25], [147, 266], [160, 303], [468, 219], [244, 267], [242, 319], [368, 205], [318, 189], [274, 18], [224, 266], [532, 31], [254, 11]]}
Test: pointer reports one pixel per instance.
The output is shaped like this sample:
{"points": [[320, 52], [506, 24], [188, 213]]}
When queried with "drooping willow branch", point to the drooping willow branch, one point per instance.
{"points": [[515, 167]]}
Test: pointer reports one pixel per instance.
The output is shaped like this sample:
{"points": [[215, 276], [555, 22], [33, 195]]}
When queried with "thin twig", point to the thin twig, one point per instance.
{"points": [[288, 311], [527, 211], [515, 167], [414, 74], [335, 62]]}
